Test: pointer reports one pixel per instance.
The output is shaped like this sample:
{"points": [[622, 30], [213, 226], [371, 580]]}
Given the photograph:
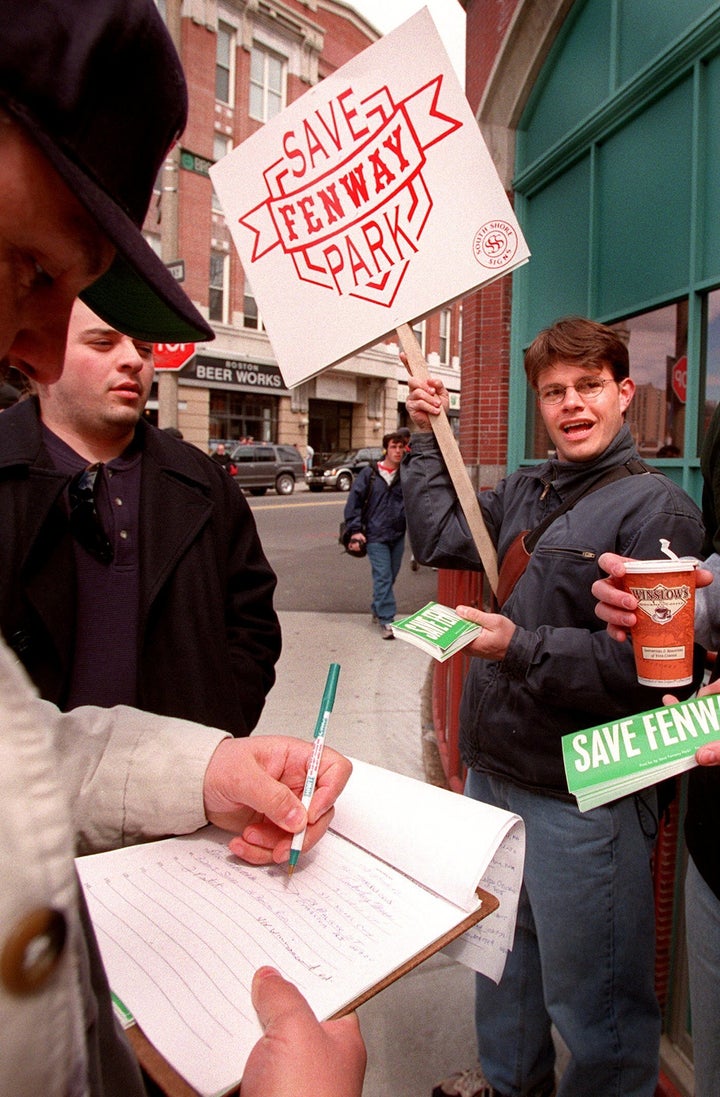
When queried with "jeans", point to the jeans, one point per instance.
{"points": [[584, 951], [702, 914], [385, 559]]}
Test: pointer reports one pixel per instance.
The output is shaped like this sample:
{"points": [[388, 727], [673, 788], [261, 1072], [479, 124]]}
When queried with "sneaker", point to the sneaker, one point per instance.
{"points": [[466, 1083], [473, 1083], [386, 632]]}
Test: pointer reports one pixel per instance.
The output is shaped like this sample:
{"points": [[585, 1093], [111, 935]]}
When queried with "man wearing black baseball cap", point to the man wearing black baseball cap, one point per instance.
{"points": [[91, 97], [100, 90]]}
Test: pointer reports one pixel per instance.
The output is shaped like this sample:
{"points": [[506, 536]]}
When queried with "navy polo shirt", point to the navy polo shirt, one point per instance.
{"points": [[105, 650]]}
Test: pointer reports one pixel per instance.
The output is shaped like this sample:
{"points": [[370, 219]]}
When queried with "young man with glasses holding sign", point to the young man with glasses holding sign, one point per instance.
{"points": [[583, 955]]}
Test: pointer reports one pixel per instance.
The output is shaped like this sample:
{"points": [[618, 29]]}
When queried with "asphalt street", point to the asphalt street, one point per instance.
{"points": [[299, 534]]}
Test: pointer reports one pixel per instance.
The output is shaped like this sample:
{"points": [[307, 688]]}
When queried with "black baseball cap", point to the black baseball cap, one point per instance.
{"points": [[98, 85]]}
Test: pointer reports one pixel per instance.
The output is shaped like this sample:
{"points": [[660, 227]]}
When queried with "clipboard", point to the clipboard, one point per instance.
{"points": [[174, 1085], [182, 925]]}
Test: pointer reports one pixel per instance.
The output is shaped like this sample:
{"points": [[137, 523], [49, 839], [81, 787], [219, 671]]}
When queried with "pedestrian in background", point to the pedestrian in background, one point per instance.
{"points": [[221, 457], [375, 520]]}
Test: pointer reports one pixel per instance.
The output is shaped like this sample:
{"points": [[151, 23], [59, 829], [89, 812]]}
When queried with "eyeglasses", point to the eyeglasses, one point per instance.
{"points": [[589, 388], [85, 524]]}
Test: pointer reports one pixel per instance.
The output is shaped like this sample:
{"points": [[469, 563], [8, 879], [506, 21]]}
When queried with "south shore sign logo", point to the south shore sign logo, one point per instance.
{"points": [[369, 202]]}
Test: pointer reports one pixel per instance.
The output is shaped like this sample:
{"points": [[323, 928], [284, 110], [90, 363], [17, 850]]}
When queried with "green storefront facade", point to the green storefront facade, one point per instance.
{"points": [[617, 187]]}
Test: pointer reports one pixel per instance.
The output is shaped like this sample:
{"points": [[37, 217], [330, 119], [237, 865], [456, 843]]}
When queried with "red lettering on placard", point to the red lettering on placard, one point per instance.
{"points": [[347, 200]]}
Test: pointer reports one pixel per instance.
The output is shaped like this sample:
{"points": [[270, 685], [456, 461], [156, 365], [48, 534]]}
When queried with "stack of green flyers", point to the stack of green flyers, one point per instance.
{"points": [[616, 759], [437, 629]]}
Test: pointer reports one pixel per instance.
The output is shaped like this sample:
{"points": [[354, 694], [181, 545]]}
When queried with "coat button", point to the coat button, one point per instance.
{"points": [[21, 642], [32, 950]]}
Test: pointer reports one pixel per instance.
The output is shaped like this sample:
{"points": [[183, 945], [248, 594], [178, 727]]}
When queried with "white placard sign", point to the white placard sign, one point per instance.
{"points": [[369, 202]]}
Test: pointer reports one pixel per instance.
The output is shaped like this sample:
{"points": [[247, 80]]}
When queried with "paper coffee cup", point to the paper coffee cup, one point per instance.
{"points": [[663, 637]]}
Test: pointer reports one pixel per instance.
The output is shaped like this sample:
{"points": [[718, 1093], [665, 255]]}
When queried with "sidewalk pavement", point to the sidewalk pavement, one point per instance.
{"points": [[421, 1029]]}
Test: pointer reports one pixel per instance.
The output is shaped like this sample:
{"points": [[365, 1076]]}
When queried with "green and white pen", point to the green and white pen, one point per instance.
{"points": [[326, 707]]}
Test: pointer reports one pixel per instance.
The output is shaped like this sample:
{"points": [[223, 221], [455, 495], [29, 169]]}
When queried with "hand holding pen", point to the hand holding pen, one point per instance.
{"points": [[253, 789], [326, 707]]}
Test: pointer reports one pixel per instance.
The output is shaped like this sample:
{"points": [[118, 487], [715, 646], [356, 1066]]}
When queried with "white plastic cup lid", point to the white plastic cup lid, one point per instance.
{"points": [[642, 567]]}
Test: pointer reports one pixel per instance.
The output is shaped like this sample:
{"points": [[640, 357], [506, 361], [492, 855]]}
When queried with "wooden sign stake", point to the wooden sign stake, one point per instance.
{"points": [[417, 367]]}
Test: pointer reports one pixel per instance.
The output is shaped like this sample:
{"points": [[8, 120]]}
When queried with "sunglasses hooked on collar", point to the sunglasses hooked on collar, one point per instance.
{"points": [[85, 523]]}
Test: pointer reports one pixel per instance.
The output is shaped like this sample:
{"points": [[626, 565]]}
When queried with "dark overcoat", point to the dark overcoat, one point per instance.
{"points": [[208, 638]]}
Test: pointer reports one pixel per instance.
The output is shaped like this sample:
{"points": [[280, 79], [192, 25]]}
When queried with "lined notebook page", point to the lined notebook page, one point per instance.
{"points": [[182, 926], [443, 840], [450, 843]]}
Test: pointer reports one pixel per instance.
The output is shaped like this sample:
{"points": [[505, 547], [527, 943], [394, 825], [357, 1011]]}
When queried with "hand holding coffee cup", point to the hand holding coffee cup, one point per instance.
{"points": [[664, 634]]}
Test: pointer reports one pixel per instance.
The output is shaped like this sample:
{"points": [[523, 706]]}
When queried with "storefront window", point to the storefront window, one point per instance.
{"points": [[657, 345], [236, 415], [330, 427], [657, 342]]}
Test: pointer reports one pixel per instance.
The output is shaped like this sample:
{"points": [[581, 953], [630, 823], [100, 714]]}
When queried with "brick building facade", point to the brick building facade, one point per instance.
{"points": [[245, 60]]}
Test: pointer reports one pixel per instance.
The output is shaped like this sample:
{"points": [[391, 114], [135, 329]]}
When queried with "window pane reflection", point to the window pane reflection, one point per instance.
{"points": [[236, 415], [657, 344]]}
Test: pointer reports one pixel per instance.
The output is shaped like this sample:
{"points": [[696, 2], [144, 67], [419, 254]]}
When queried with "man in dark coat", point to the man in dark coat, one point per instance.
{"points": [[702, 820], [79, 156], [147, 586], [375, 520], [222, 458]]}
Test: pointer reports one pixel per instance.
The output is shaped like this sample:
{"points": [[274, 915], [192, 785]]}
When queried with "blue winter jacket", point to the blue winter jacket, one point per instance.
{"points": [[562, 672], [385, 514]]}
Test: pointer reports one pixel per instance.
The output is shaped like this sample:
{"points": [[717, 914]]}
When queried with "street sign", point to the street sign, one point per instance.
{"points": [[172, 356], [679, 379], [177, 269]]}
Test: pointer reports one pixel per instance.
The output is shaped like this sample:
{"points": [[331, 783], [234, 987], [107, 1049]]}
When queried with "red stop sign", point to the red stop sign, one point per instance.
{"points": [[679, 379], [172, 355]]}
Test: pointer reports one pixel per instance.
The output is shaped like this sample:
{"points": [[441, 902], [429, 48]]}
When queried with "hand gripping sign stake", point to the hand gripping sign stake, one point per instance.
{"points": [[417, 367]]}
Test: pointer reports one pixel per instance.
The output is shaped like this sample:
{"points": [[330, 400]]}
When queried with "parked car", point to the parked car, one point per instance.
{"points": [[340, 469], [261, 465]]}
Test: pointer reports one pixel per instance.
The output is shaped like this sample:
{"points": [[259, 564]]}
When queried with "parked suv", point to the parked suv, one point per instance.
{"points": [[261, 465], [340, 469]]}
